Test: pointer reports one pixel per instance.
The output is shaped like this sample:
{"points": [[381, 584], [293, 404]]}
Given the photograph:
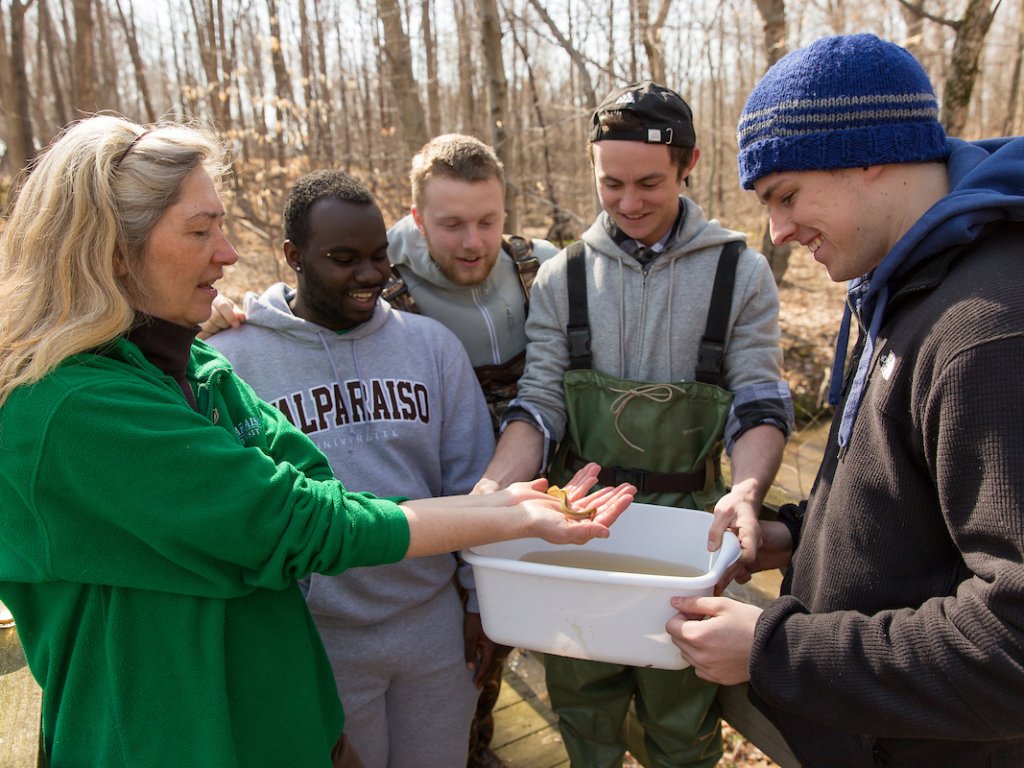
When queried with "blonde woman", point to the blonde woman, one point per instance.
{"points": [[156, 513]]}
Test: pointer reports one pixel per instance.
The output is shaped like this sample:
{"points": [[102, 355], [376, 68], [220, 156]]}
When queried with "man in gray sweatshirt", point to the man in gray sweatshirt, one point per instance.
{"points": [[392, 400], [653, 343], [452, 262]]}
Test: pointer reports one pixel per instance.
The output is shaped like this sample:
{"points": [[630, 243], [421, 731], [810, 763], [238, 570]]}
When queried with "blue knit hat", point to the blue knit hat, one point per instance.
{"points": [[842, 102]]}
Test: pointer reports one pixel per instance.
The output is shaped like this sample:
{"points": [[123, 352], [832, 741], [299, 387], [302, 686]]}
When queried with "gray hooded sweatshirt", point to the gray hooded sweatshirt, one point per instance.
{"points": [[395, 407], [488, 318], [646, 324]]}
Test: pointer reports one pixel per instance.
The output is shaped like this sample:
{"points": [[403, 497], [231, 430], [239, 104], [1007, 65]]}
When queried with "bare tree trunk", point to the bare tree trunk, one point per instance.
{"points": [[560, 231], [967, 48], [187, 90], [257, 178], [83, 94], [346, 125], [650, 35], [208, 23], [383, 116], [467, 90], [66, 21], [575, 56], [915, 30], [108, 92], [773, 14], [430, 53], [610, 24], [412, 122], [49, 45], [128, 22], [14, 89], [1014, 98], [633, 37], [325, 110], [638, 25], [580, 63], [40, 108], [712, 153], [497, 103], [266, 147], [282, 84], [314, 151], [971, 29]]}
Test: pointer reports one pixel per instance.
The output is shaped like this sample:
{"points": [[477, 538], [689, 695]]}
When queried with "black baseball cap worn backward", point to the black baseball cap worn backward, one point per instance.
{"points": [[665, 117]]}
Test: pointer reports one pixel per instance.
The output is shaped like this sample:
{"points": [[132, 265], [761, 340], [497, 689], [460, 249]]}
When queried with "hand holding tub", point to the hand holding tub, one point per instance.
{"points": [[716, 634]]}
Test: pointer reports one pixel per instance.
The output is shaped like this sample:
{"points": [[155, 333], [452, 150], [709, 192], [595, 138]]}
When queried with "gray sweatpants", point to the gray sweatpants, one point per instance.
{"points": [[408, 696]]}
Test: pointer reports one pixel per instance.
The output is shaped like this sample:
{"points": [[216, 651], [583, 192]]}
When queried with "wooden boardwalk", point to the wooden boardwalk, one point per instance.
{"points": [[19, 705], [525, 731]]}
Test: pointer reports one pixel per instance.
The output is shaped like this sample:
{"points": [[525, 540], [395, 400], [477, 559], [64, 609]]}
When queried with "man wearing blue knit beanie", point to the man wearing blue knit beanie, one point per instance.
{"points": [[899, 638]]}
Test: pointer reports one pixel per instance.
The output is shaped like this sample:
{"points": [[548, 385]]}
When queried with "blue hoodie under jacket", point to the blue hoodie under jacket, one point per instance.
{"points": [[986, 182]]}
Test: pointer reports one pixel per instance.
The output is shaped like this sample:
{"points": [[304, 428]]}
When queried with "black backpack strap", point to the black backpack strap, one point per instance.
{"points": [[396, 293], [521, 251], [578, 329], [712, 345]]}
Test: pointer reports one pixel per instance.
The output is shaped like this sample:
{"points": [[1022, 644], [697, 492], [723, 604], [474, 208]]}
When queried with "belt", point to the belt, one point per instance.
{"points": [[647, 481]]}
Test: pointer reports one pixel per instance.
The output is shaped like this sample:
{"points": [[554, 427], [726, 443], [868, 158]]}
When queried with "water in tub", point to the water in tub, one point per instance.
{"points": [[610, 561]]}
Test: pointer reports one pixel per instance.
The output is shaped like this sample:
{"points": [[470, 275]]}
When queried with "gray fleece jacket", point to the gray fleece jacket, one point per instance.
{"points": [[647, 325], [489, 318], [396, 408]]}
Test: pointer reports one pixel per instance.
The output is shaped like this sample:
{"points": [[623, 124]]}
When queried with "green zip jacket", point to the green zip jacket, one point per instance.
{"points": [[150, 554]]}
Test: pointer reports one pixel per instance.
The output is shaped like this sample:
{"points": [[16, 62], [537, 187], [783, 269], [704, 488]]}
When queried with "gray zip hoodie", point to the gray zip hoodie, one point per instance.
{"points": [[488, 318], [395, 407], [646, 325]]}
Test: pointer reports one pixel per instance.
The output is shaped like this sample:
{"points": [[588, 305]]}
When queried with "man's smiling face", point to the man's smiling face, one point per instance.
{"points": [[344, 266], [639, 186], [831, 214]]}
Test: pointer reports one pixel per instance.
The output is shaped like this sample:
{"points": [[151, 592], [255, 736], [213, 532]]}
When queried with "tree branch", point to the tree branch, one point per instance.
{"points": [[918, 10]]}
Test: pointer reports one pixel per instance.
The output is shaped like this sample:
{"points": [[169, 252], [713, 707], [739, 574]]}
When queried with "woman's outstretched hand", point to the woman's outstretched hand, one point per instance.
{"points": [[550, 522]]}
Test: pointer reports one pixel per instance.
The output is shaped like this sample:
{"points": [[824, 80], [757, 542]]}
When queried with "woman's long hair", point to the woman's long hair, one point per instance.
{"points": [[71, 252]]}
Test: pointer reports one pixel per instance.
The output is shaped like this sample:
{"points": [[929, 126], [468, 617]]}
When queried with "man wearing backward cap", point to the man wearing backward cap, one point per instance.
{"points": [[651, 344]]}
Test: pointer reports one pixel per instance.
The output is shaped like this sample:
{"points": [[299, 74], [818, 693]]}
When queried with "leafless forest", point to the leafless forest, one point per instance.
{"points": [[360, 84], [294, 85]]}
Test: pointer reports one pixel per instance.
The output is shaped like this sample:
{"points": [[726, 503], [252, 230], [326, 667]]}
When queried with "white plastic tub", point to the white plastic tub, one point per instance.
{"points": [[596, 614]]}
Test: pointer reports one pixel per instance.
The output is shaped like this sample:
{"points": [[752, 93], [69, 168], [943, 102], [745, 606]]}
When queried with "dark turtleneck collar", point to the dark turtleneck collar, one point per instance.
{"points": [[167, 346]]}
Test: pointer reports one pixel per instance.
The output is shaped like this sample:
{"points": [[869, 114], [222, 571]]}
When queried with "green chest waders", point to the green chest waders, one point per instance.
{"points": [[666, 439]]}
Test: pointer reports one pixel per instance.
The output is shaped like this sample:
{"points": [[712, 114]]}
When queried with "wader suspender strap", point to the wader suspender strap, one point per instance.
{"points": [[396, 293], [578, 329], [712, 344], [521, 251]]}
